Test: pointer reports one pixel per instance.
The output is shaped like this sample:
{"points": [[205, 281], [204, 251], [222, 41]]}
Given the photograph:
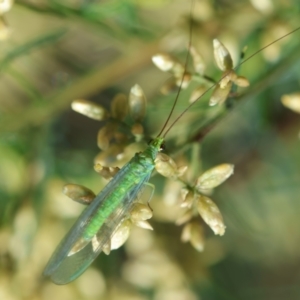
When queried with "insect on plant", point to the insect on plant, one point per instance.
{"points": [[103, 225]]}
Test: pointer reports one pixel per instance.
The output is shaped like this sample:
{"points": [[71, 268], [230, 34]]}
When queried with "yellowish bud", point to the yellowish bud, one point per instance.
{"points": [[106, 172], [165, 165], [119, 107], [292, 101], [143, 224], [90, 109], [105, 134], [187, 216], [188, 200], [214, 176], [197, 236], [140, 212], [121, 235], [79, 193], [222, 56], [186, 233], [137, 103], [163, 61], [186, 79], [198, 61], [211, 214], [219, 94], [241, 81], [197, 93]]}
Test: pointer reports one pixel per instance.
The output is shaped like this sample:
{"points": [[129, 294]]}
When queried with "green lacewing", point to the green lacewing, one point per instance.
{"points": [[99, 221]]}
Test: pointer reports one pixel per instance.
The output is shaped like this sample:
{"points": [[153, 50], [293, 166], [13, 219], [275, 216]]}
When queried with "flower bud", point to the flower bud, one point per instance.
{"points": [[211, 214], [140, 212], [90, 109], [222, 56], [214, 176], [121, 235], [119, 107], [197, 236], [137, 103], [198, 61], [106, 172], [292, 101], [165, 165], [219, 94], [163, 61], [79, 193]]}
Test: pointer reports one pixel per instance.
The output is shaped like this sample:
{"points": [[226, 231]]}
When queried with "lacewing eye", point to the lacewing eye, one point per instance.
{"points": [[162, 147]]}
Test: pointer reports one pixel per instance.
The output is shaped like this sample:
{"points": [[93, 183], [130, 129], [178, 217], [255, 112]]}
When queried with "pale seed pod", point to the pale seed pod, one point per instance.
{"points": [[137, 103], [241, 81], [186, 233], [198, 61], [178, 69], [220, 95], [90, 109], [119, 107], [106, 248], [181, 170], [165, 165], [214, 176], [227, 76], [121, 235], [137, 129], [110, 156], [187, 216], [79, 193], [292, 101], [5, 6], [211, 214], [106, 172], [222, 56], [163, 61], [143, 224], [197, 93], [183, 193], [184, 81], [105, 134], [188, 200], [140, 212], [197, 236]]}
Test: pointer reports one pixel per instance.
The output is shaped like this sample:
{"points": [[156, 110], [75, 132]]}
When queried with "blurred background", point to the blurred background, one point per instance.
{"points": [[53, 52]]}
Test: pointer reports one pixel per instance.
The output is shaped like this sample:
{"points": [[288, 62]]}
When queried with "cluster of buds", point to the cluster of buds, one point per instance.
{"points": [[196, 202], [138, 215], [224, 62], [116, 134], [123, 125], [5, 6], [181, 77], [292, 101]]}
